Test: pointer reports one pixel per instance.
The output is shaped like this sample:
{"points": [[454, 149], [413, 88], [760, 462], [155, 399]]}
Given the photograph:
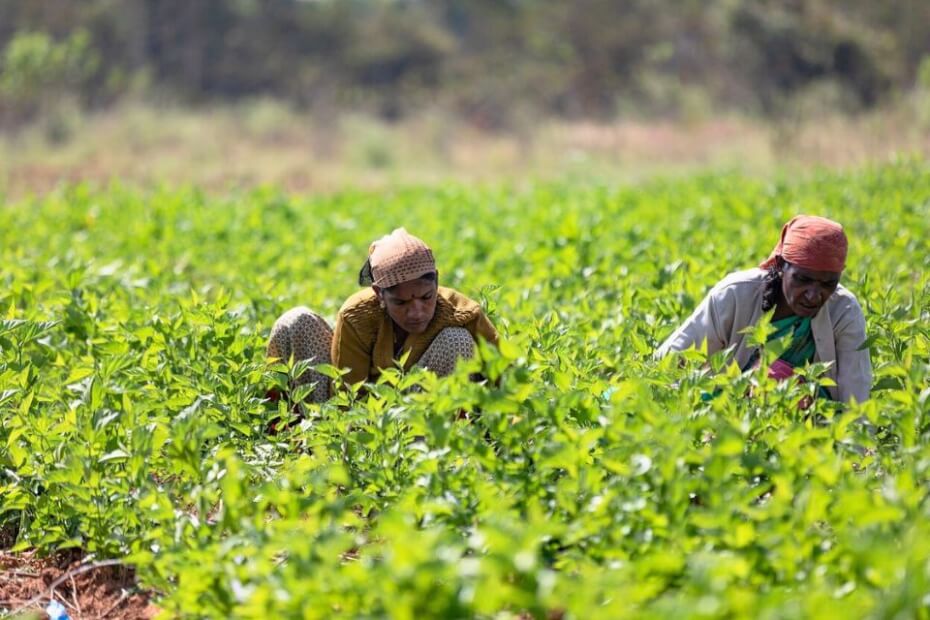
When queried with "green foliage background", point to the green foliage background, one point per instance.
{"points": [[132, 422], [584, 59]]}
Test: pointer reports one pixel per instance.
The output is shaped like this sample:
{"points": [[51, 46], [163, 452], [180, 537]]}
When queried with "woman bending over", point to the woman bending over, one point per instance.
{"points": [[403, 311], [800, 283]]}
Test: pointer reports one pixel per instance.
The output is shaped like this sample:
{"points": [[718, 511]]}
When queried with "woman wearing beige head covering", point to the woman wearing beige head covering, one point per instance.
{"points": [[403, 311]]}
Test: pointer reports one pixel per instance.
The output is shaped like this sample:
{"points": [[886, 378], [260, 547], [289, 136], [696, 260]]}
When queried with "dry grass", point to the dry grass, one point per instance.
{"points": [[228, 147]]}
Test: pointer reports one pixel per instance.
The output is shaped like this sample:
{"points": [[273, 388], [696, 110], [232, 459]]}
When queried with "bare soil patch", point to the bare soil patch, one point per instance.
{"points": [[88, 590]]}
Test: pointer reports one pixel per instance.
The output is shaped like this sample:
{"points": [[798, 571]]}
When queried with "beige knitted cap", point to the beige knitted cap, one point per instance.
{"points": [[399, 257]]}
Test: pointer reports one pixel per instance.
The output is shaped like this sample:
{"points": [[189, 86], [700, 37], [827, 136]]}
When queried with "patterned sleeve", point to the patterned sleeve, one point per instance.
{"points": [[279, 343]]}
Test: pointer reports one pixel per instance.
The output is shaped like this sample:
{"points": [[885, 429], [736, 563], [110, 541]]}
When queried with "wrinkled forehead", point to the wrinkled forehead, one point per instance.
{"points": [[824, 277]]}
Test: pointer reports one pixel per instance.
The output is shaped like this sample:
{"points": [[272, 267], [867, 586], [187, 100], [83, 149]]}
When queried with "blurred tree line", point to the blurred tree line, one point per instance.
{"points": [[489, 60]]}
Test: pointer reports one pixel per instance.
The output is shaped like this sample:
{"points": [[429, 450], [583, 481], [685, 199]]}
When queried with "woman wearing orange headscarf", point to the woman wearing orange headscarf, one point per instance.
{"points": [[799, 284], [403, 311]]}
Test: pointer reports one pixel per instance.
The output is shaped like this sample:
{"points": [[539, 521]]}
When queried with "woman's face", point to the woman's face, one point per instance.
{"points": [[805, 290], [411, 305]]}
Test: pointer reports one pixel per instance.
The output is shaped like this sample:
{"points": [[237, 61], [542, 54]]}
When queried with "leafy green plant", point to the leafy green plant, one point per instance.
{"points": [[582, 479]]}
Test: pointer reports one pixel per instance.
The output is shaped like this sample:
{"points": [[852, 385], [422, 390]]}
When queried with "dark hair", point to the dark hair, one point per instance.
{"points": [[364, 275], [772, 284]]}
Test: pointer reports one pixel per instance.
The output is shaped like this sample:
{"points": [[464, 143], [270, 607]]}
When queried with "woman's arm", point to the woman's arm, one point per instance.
{"points": [[853, 364], [350, 352], [705, 324], [483, 327]]}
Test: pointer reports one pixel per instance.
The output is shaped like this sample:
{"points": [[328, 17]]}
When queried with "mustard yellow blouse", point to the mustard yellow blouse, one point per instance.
{"points": [[363, 340]]}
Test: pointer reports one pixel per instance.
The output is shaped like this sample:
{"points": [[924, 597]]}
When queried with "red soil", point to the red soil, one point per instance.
{"points": [[101, 592]]}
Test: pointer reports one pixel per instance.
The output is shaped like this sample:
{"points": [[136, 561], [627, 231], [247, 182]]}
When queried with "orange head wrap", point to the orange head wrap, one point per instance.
{"points": [[395, 259], [811, 242]]}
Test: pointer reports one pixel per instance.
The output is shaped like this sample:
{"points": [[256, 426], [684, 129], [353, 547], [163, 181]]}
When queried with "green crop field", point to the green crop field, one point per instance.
{"points": [[582, 480]]}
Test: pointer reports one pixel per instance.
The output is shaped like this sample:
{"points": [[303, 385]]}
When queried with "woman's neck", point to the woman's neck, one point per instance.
{"points": [[400, 336]]}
